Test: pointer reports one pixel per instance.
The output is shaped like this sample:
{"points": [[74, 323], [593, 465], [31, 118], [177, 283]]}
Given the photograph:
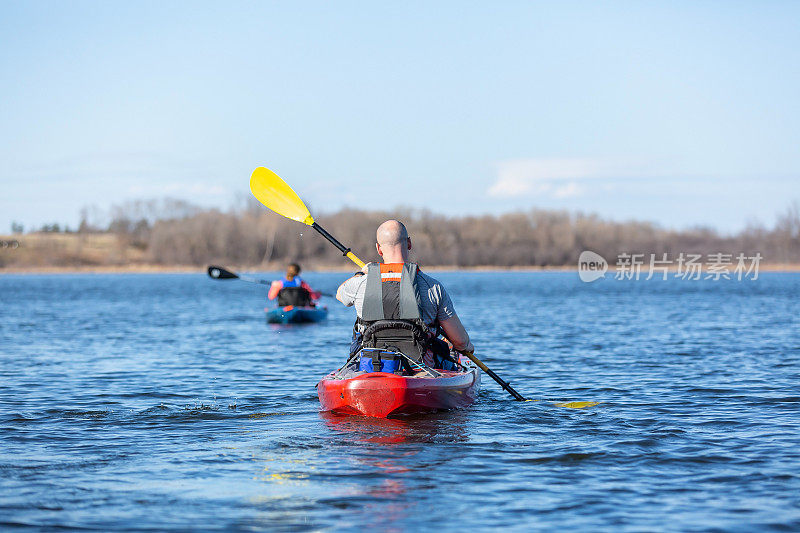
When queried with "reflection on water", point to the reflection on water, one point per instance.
{"points": [[428, 428], [390, 452]]}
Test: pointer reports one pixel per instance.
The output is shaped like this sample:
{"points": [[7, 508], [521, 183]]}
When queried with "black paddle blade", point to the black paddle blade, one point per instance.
{"points": [[217, 272]]}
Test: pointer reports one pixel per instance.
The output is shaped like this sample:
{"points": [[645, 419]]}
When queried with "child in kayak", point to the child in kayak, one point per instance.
{"points": [[396, 296], [291, 290]]}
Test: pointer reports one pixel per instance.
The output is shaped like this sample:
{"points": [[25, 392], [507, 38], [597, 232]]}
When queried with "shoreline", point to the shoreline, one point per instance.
{"points": [[187, 269]]}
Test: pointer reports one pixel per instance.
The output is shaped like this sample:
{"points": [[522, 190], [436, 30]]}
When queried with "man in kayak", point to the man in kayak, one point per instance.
{"points": [[395, 296], [291, 290]]}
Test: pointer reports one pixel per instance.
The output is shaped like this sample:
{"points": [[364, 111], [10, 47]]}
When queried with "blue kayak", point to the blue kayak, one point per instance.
{"points": [[296, 315]]}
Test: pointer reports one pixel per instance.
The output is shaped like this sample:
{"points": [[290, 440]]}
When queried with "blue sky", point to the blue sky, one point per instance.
{"points": [[679, 113]]}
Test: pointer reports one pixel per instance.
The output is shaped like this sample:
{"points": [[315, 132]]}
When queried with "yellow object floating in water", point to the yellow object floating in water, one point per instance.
{"points": [[576, 405], [571, 405]]}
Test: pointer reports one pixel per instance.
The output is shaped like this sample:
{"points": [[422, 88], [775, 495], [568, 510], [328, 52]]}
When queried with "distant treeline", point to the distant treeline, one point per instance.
{"points": [[170, 232]]}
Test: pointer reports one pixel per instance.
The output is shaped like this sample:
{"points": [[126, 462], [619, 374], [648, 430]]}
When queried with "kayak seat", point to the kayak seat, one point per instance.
{"points": [[294, 296], [401, 336]]}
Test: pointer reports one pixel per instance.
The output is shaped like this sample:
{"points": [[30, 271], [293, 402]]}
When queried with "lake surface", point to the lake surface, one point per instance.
{"points": [[157, 402]]}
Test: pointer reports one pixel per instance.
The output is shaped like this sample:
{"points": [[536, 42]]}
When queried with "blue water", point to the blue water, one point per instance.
{"points": [[158, 402]]}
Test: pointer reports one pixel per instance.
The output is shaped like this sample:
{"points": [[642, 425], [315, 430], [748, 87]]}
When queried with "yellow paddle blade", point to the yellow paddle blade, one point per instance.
{"points": [[273, 192], [576, 405]]}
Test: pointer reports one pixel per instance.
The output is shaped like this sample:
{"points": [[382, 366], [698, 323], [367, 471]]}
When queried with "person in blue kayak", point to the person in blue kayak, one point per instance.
{"points": [[400, 307], [291, 290]]}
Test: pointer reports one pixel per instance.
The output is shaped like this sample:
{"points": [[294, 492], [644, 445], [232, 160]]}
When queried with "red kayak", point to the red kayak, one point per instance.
{"points": [[381, 394]]}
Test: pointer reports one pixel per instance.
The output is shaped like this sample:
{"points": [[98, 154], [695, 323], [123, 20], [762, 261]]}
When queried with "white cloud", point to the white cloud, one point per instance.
{"points": [[177, 189], [569, 190], [558, 178]]}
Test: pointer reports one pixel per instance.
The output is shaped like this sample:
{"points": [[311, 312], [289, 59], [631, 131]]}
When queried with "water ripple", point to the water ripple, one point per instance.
{"points": [[164, 402]]}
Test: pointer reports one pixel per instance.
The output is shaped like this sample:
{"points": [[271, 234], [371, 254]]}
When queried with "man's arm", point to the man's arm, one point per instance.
{"points": [[315, 295], [456, 334], [274, 289], [340, 295], [346, 293], [450, 323]]}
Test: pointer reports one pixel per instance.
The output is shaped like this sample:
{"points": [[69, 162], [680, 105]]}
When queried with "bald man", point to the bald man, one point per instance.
{"points": [[435, 307]]}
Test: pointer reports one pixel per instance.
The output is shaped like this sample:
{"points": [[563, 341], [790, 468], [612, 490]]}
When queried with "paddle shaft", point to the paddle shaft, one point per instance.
{"points": [[498, 379], [267, 282], [342, 248], [254, 280], [234, 275]]}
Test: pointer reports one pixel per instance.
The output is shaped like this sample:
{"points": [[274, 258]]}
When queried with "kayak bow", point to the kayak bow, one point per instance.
{"points": [[380, 394]]}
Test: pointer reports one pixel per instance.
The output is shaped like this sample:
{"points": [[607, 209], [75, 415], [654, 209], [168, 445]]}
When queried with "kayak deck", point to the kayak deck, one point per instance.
{"points": [[379, 394]]}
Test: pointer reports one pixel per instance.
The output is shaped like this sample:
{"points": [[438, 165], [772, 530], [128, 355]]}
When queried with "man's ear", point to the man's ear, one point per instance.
{"points": [[409, 243], [378, 247]]}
